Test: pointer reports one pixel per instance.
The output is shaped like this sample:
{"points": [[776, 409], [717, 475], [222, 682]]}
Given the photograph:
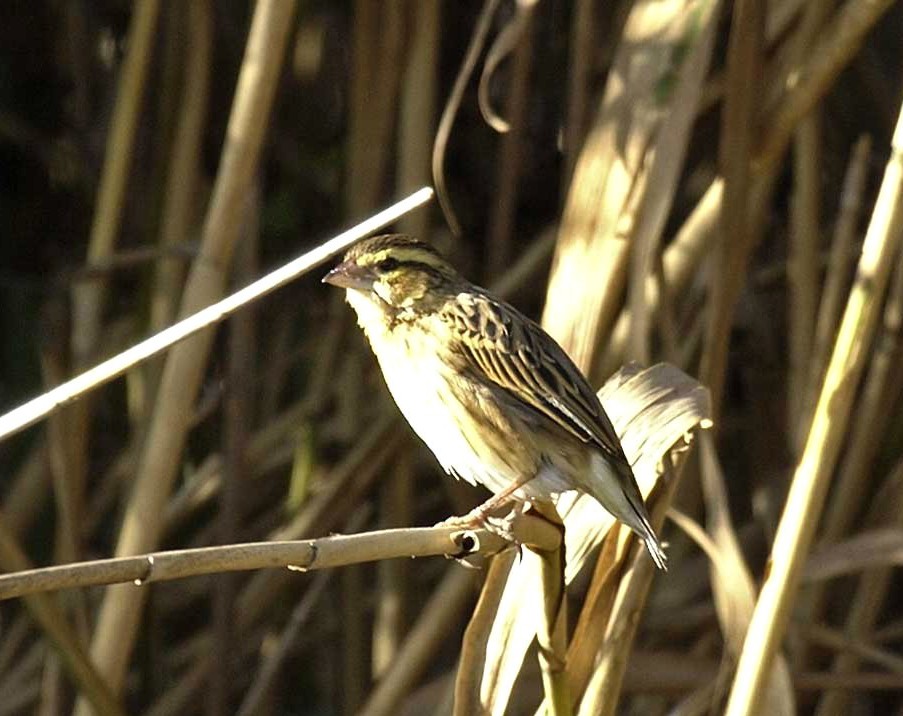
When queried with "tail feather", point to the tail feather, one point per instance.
{"points": [[615, 488], [651, 540]]}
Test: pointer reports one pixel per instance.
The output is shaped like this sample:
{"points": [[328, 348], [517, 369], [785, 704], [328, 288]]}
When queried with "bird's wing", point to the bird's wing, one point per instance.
{"points": [[507, 349]]}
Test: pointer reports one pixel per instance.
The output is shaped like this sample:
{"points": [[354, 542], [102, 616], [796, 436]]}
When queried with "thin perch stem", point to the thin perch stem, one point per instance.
{"points": [[303, 555]]}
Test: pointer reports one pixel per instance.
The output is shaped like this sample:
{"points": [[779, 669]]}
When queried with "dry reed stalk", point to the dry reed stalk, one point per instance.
{"points": [[238, 417], [62, 463], [839, 271], [378, 52], [88, 298], [271, 663], [502, 221], [594, 614], [180, 194], [296, 555], [871, 592], [551, 632], [733, 587], [417, 110], [472, 660], [681, 88], [805, 239], [352, 639], [740, 226], [393, 599], [837, 45], [881, 388], [601, 695], [623, 150], [852, 484], [416, 125], [29, 489], [13, 641], [67, 469], [807, 492], [120, 612], [447, 120], [580, 66], [441, 612], [802, 270], [681, 259], [45, 611]]}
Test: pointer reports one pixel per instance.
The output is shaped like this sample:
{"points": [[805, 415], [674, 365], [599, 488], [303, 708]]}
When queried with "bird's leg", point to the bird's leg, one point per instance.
{"points": [[480, 515]]}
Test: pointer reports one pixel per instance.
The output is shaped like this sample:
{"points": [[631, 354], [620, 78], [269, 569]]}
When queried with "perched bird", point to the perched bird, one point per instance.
{"points": [[493, 396]]}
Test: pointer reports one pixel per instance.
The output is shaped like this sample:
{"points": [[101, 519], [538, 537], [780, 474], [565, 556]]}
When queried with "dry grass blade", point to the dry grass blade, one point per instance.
{"points": [[733, 587], [436, 619], [652, 410], [868, 600], [876, 548], [807, 492], [837, 641]]}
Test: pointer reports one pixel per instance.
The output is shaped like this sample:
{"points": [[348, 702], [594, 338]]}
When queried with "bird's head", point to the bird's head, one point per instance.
{"points": [[394, 271]]}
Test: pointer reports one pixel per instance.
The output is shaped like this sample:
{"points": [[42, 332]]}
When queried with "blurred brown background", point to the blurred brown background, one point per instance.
{"points": [[118, 188]]}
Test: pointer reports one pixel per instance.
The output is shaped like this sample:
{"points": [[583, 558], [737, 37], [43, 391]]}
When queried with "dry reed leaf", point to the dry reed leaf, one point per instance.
{"points": [[653, 411], [611, 194]]}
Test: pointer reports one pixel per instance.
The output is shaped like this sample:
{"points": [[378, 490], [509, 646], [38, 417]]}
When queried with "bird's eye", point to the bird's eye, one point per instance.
{"points": [[389, 264]]}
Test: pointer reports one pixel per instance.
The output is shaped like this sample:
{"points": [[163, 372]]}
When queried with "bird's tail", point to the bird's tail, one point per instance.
{"points": [[614, 486]]}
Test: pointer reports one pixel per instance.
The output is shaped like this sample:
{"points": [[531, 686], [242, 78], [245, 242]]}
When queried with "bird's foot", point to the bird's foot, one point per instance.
{"points": [[481, 518]]}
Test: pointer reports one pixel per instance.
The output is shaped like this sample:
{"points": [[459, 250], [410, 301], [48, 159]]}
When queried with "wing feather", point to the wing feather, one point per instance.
{"points": [[517, 356]]}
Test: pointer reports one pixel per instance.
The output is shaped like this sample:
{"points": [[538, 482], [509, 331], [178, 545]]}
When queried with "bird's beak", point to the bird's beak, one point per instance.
{"points": [[350, 275]]}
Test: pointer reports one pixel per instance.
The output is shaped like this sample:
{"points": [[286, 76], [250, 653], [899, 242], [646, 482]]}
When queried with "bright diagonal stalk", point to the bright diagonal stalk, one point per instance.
{"points": [[810, 482], [46, 403]]}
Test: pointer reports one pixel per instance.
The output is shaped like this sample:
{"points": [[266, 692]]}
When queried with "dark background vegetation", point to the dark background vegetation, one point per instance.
{"points": [[299, 355]]}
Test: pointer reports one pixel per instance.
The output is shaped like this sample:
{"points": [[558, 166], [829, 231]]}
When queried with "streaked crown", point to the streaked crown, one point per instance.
{"points": [[398, 249]]}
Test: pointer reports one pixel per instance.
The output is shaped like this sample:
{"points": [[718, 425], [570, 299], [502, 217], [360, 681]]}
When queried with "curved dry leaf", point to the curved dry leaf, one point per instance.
{"points": [[654, 411]]}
